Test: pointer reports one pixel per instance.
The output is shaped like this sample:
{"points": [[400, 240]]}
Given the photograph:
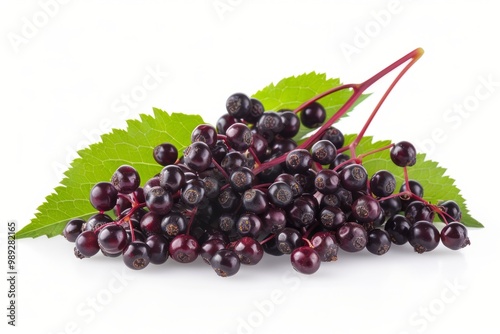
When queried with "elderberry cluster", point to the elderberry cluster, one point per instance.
{"points": [[244, 187]]}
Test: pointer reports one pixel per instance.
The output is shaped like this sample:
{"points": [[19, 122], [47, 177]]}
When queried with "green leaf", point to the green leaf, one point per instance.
{"points": [[437, 186], [98, 162], [291, 92]]}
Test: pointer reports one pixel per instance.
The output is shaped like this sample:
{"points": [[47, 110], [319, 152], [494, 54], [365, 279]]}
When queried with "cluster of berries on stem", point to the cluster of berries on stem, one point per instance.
{"points": [[244, 187]]}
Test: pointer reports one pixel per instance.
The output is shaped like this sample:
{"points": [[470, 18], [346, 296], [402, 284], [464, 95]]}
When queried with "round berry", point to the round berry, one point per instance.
{"points": [[423, 236], [126, 179], [103, 196], [165, 154], [454, 236], [305, 260], [225, 263], [403, 154]]}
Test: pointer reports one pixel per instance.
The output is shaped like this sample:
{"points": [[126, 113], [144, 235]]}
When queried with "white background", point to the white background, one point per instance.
{"points": [[62, 77]]}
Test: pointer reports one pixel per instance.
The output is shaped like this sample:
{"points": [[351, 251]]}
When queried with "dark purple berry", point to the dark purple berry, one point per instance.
{"points": [[238, 105], [248, 250], [73, 229], [352, 237], [325, 244], [403, 154], [165, 154], [205, 133], [313, 116], [198, 156], [239, 137], [305, 260], [112, 238], [423, 236], [137, 255], [158, 245], [454, 236], [382, 183], [103, 196], [225, 263], [126, 179], [184, 248], [379, 241], [324, 152], [86, 244]]}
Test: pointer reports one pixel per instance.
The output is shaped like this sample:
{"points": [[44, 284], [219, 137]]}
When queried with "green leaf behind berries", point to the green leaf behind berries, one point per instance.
{"points": [[437, 186], [133, 146], [291, 92]]}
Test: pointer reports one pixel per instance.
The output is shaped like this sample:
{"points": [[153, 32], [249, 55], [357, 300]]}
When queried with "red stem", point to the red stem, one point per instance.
{"points": [[357, 89]]}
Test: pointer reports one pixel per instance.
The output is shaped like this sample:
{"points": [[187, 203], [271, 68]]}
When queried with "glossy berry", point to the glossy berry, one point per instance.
{"points": [[151, 223], [238, 105], [255, 200], [96, 221], [313, 116], [366, 209], [158, 245], [415, 188], [335, 136], [327, 181], [249, 224], [126, 179], [292, 182], [291, 123], [379, 241], [172, 178], [391, 206], [86, 244], [205, 133], [280, 194], [248, 250], [241, 179], [305, 260], [423, 236], [353, 177], [159, 200], [73, 229], [239, 137], [274, 220], [103, 196], [288, 239], [452, 211], [112, 238], [173, 224], [137, 255], [269, 124], [382, 183], [302, 213], [184, 248], [403, 154], [209, 248], [224, 122], [225, 263], [193, 193], [324, 152], [398, 227], [298, 161], [332, 217], [165, 154], [352, 237], [198, 156], [256, 110], [454, 236], [325, 244], [418, 210]]}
